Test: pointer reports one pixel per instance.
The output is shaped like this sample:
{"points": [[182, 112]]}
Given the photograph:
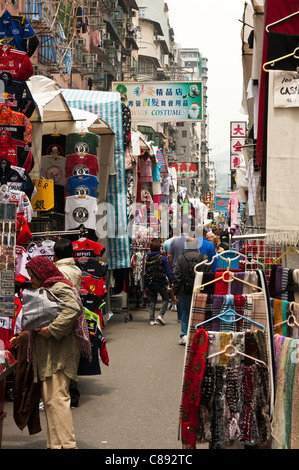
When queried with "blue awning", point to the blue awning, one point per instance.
{"points": [[107, 106]]}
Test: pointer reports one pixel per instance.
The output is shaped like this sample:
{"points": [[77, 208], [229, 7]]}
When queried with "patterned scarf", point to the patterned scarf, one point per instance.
{"points": [[192, 388]]}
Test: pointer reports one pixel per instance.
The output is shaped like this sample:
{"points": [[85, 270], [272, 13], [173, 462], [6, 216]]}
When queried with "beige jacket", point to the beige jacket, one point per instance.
{"points": [[61, 351], [69, 269]]}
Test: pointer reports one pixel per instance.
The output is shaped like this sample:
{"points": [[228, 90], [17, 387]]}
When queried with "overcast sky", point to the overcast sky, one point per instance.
{"points": [[214, 28]]}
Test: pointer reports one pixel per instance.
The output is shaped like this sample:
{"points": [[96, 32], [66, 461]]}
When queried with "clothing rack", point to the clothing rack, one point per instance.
{"points": [[55, 233]]}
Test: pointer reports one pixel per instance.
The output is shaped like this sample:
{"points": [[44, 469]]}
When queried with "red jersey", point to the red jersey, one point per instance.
{"points": [[84, 248], [15, 62], [95, 286]]}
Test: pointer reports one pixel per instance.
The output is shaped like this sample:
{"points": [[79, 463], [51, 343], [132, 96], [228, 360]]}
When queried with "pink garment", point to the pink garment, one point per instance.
{"points": [[157, 199], [145, 164]]}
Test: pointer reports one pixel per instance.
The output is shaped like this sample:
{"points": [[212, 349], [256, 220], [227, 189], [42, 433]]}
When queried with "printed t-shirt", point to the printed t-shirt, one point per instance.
{"points": [[54, 144], [80, 210], [45, 248], [95, 286], [87, 248], [81, 165], [92, 266], [53, 168], [82, 142], [82, 185]]}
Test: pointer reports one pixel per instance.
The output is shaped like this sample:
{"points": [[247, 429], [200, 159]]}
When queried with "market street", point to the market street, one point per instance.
{"points": [[134, 403]]}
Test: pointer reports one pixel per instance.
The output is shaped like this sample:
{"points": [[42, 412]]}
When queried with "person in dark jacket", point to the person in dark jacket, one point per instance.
{"points": [[157, 270], [184, 262]]}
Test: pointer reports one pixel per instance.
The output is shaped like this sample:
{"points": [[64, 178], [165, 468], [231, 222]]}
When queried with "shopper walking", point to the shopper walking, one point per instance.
{"points": [[157, 270], [205, 246], [56, 352], [184, 277], [173, 234]]}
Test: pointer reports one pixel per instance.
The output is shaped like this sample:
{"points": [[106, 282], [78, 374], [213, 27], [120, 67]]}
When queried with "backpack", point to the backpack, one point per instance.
{"points": [[154, 271], [189, 275]]}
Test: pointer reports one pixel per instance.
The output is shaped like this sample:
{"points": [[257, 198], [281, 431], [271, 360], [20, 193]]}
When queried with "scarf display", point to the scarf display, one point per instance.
{"points": [[192, 389]]}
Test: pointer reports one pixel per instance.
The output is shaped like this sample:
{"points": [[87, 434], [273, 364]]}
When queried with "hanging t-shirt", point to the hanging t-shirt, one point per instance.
{"points": [[15, 62], [17, 95], [53, 144], [82, 142], [87, 248], [92, 367], [91, 301], [95, 286], [94, 267], [80, 210], [53, 168], [81, 165], [82, 185], [45, 248]]}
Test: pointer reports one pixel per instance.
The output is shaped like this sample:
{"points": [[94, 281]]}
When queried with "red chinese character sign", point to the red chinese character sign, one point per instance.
{"points": [[237, 141], [185, 170]]}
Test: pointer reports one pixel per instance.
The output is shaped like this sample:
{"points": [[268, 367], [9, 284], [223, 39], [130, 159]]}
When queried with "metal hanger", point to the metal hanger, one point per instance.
{"points": [[282, 19], [272, 62]]}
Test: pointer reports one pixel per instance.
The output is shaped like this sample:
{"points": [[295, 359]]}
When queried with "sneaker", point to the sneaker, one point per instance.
{"points": [[173, 308], [161, 320], [183, 340], [153, 322]]}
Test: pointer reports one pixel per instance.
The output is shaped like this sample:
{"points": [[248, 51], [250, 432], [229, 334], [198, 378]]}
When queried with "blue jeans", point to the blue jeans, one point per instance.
{"points": [[184, 305], [153, 292]]}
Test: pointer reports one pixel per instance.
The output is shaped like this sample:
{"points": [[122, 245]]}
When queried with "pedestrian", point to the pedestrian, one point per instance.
{"points": [[157, 270], [64, 261], [173, 234], [183, 283], [176, 248], [55, 351], [205, 246]]}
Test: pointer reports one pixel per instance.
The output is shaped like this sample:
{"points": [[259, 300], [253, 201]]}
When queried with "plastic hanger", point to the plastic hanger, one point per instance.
{"points": [[291, 320], [292, 250], [272, 62], [228, 260], [228, 314], [231, 278], [282, 19], [234, 353]]}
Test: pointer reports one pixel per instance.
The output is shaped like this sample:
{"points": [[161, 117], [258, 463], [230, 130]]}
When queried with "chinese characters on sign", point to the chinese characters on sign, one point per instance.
{"points": [[237, 140], [222, 204], [162, 101], [185, 170]]}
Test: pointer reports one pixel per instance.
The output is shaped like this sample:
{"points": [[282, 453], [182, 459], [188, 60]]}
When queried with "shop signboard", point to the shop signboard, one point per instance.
{"points": [[237, 141], [185, 170], [222, 204], [162, 101]]}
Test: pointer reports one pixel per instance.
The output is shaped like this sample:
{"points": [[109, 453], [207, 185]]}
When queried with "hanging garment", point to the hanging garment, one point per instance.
{"points": [[19, 197], [92, 266], [85, 185], [16, 63], [53, 168], [145, 163], [97, 342], [81, 165], [17, 95], [44, 248], [85, 248], [16, 178], [23, 231], [17, 152], [95, 286], [16, 123], [54, 144], [18, 33], [82, 142], [80, 210]]}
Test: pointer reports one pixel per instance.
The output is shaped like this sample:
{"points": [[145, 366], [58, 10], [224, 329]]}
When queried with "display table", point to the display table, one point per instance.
{"points": [[7, 365]]}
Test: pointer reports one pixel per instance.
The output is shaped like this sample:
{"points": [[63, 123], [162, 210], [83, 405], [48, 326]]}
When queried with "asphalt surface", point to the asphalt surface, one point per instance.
{"points": [[134, 403]]}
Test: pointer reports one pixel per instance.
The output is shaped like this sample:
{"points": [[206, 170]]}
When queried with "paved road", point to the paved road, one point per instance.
{"points": [[134, 403]]}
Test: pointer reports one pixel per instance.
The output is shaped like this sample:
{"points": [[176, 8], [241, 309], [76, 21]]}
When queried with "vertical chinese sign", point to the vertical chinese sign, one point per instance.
{"points": [[237, 141]]}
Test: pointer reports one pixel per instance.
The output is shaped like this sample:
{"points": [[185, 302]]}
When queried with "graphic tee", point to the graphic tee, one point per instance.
{"points": [[82, 185], [53, 168], [80, 210], [81, 165], [93, 267], [82, 142], [53, 144], [87, 248]]}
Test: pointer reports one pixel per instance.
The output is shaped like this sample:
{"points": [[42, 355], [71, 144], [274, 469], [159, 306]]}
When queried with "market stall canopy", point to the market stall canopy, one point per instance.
{"points": [[108, 107]]}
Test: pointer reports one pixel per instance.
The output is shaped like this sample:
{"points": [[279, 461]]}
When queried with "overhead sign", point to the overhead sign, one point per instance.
{"points": [[237, 141], [185, 170], [162, 101], [222, 204]]}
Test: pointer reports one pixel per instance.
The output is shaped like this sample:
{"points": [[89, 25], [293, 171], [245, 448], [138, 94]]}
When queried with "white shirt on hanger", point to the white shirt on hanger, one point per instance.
{"points": [[80, 210]]}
